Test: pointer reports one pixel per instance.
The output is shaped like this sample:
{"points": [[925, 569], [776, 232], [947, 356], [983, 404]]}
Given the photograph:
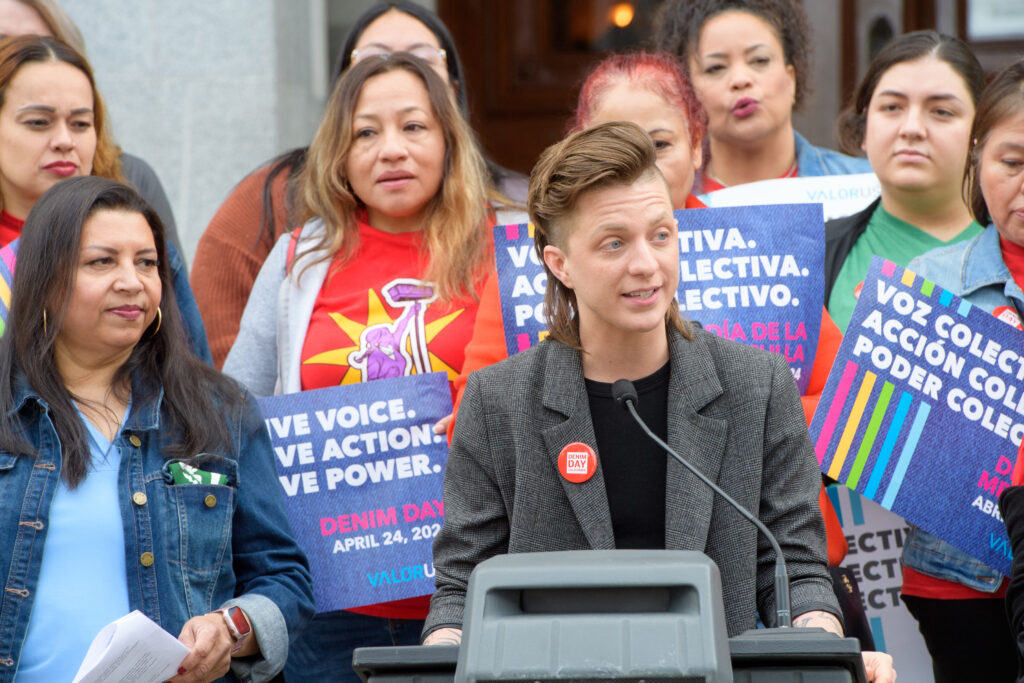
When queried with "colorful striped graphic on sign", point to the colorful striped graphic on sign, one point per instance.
{"points": [[8, 257], [865, 411]]}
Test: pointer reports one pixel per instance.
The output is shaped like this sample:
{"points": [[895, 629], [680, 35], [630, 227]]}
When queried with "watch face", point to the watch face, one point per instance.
{"points": [[237, 622]]}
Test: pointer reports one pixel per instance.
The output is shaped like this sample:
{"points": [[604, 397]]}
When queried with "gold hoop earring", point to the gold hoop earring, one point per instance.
{"points": [[44, 322], [159, 321]]}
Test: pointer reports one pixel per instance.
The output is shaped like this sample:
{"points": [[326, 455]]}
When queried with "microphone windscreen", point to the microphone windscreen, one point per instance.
{"points": [[622, 391]]}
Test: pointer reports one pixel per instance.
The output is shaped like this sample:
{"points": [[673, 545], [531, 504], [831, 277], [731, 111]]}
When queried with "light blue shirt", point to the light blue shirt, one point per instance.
{"points": [[82, 579]]}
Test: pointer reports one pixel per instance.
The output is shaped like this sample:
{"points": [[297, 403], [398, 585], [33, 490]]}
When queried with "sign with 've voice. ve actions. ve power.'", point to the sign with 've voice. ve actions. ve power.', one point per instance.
{"points": [[923, 411], [363, 476], [753, 274]]}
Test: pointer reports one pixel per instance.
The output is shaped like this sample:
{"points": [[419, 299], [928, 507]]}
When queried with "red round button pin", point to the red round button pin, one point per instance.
{"points": [[577, 462], [1008, 314]]}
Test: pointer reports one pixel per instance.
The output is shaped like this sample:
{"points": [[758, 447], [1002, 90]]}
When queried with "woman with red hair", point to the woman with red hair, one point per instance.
{"points": [[652, 91]]}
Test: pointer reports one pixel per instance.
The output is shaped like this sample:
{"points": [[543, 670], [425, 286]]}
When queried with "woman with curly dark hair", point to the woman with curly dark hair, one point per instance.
{"points": [[749, 62]]}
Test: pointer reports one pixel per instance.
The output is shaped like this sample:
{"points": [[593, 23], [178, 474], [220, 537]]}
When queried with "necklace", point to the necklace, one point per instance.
{"points": [[94, 432]]}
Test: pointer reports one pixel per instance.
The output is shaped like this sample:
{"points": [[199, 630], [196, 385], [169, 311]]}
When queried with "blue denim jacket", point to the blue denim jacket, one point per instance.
{"points": [[818, 161], [975, 271], [189, 549]]}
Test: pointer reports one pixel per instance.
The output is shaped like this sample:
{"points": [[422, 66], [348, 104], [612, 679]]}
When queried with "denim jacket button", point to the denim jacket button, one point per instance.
{"points": [[210, 500], [139, 498], [135, 441], [146, 559]]}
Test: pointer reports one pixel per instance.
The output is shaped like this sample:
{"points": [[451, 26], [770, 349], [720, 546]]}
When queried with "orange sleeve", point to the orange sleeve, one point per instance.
{"points": [[828, 346], [487, 345], [229, 257]]}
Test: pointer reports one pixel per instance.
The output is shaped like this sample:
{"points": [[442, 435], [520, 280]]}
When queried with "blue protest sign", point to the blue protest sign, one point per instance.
{"points": [[755, 274], [521, 283], [363, 473], [924, 410]]}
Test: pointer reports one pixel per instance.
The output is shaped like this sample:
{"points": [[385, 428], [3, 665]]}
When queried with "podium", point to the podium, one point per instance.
{"points": [[623, 615]]}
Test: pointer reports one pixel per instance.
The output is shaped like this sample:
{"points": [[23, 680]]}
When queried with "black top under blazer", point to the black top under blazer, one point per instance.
{"points": [[734, 413]]}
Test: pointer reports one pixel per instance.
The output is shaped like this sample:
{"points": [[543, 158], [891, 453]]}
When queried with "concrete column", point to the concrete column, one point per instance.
{"points": [[206, 90]]}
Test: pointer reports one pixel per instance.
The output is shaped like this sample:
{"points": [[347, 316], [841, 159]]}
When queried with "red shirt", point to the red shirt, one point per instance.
{"points": [[376, 318], [10, 228], [1013, 257]]}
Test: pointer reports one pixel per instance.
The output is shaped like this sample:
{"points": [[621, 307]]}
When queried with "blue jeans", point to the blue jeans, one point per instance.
{"points": [[323, 650]]}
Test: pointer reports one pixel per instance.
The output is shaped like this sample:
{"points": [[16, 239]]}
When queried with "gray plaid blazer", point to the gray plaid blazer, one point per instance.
{"points": [[733, 412]]}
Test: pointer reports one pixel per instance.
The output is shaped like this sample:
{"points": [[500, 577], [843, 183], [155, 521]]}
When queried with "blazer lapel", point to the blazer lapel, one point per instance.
{"points": [[566, 394], [701, 441]]}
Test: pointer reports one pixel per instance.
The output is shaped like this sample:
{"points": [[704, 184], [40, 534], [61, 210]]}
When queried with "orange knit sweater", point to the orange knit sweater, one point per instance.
{"points": [[230, 255]]}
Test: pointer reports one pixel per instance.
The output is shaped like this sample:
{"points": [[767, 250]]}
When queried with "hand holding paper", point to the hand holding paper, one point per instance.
{"points": [[211, 645], [132, 649]]}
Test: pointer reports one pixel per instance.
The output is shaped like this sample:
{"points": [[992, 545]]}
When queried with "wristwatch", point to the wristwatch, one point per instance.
{"points": [[238, 626]]}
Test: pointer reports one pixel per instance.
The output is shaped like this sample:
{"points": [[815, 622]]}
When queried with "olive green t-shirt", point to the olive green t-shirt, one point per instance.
{"points": [[890, 238]]}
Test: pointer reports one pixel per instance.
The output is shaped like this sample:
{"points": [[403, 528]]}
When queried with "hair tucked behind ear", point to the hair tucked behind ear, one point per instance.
{"points": [[195, 396], [908, 47], [607, 155]]}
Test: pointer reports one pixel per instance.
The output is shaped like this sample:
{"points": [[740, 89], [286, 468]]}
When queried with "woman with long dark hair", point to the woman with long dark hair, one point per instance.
{"points": [[134, 476]]}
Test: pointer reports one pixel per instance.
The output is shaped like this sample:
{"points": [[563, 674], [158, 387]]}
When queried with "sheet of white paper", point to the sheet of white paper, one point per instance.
{"points": [[839, 195], [132, 649]]}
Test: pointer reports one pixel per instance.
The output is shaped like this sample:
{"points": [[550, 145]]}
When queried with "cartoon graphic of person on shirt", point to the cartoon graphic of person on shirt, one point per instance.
{"points": [[382, 349]]}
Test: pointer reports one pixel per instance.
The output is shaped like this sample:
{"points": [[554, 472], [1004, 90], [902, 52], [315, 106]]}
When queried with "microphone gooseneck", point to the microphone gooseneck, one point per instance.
{"points": [[625, 395]]}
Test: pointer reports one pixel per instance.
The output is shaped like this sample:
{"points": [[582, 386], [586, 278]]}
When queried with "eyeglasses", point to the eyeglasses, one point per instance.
{"points": [[431, 55]]}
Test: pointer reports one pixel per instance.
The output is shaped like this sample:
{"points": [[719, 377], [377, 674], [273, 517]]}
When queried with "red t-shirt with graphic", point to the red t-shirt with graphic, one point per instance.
{"points": [[374, 318]]}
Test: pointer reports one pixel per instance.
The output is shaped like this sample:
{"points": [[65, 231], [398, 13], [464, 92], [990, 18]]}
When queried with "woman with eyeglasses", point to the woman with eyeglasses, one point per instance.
{"points": [[266, 204]]}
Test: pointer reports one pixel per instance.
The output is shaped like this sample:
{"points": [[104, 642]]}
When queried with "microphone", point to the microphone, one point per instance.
{"points": [[624, 394]]}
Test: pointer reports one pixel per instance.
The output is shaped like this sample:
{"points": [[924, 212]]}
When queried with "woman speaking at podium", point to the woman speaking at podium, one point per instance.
{"points": [[543, 458]]}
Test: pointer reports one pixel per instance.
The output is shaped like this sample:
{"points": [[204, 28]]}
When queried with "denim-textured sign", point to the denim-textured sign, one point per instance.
{"points": [[362, 473], [754, 274], [923, 411]]}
